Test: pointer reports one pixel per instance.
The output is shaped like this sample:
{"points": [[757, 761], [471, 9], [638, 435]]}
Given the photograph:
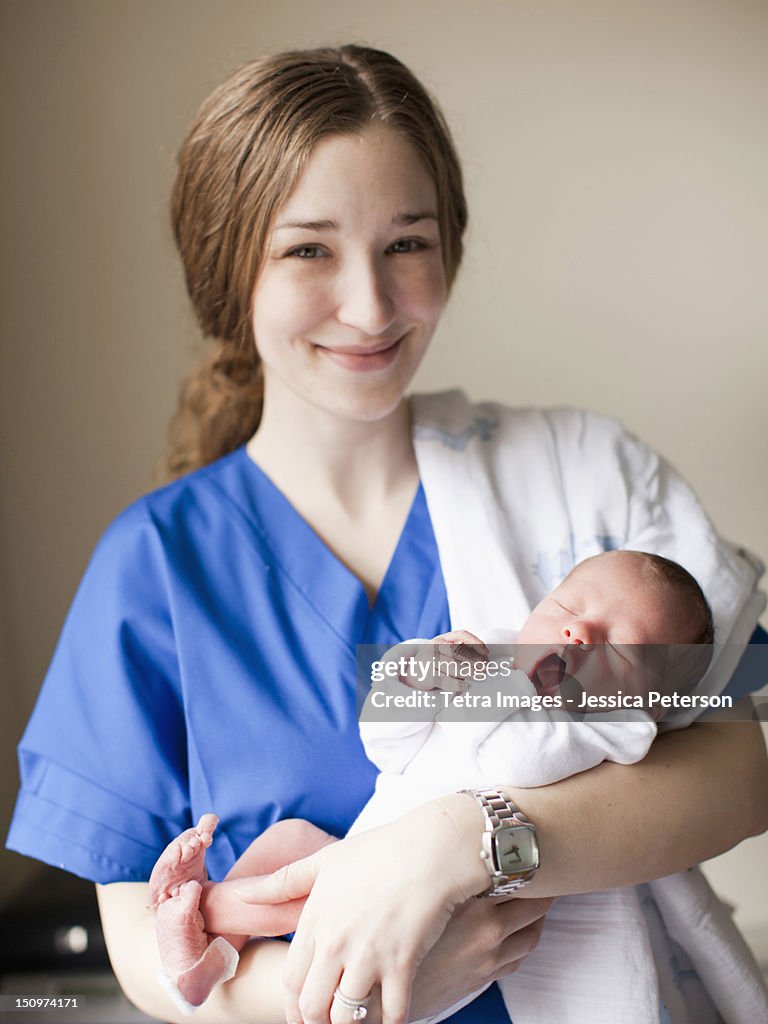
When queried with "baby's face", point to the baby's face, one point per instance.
{"points": [[594, 626]]}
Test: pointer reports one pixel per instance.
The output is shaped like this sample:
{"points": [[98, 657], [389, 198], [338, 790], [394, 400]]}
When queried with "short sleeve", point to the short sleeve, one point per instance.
{"points": [[103, 760]]}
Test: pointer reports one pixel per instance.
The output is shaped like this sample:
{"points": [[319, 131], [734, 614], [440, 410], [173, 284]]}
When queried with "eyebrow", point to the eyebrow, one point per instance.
{"points": [[308, 225], [399, 220], [405, 219]]}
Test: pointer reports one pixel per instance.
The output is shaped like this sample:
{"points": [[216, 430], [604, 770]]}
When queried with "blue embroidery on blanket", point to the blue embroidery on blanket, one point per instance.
{"points": [[686, 979], [552, 566], [480, 427]]}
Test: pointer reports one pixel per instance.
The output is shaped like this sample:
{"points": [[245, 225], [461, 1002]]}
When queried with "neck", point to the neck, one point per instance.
{"points": [[351, 463]]}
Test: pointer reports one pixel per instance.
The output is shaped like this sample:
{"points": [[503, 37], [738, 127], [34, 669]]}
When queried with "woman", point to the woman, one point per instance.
{"points": [[319, 213]]}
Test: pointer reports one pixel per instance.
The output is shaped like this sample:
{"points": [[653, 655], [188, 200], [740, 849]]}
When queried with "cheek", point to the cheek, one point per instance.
{"points": [[607, 673], [422, 293], [282, 311], [599, 676], [538, 628]]}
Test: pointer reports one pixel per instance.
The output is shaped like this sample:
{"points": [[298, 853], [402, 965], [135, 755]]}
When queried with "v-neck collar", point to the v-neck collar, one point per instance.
{"points": [[411, 586]]}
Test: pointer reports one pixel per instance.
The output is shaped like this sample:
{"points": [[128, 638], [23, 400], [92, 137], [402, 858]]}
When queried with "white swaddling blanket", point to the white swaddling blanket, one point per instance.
{"points": [[454, 747], [516, 498]]}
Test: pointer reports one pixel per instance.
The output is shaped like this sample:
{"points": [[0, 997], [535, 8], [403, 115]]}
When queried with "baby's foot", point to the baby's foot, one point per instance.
{"points": [[192, 960], [180, 930], [183, 860]]}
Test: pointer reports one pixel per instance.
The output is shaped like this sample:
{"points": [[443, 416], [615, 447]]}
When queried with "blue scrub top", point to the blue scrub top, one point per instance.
{"points": [[208, 663]]}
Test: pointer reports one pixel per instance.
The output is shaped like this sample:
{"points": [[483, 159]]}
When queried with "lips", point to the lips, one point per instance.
{"points": [[375, 357], [548, 674]]}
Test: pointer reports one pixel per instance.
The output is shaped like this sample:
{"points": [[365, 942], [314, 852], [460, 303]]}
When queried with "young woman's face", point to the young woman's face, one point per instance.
{"points": [[352, 284]]}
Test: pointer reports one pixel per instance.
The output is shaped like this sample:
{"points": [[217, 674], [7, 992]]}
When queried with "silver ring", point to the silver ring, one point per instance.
{"points": [[359, 1007]]}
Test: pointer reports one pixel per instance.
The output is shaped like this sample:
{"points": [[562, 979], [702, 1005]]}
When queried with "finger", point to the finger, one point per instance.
{"points": [[519, 913], [225, 913], [460, 640], [396, 997], [514, 949], [474, 655], [206, 826], [316, 995], [355, 984], [460, 636], [290, 882], [286, 841], [295, 969], [428, 668]]}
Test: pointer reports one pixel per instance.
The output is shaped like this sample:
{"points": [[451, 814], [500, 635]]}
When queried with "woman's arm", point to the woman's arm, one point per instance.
{"points": [[696, 794], [485, 940], [254, 994]]}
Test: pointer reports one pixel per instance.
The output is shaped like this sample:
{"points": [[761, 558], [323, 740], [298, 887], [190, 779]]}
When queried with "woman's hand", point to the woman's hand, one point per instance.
{"points": [[484, 941], [379, 902], [285, 841]]}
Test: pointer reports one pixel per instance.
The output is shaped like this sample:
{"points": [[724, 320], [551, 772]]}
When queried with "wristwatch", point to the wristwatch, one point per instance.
{"points": [[510, 848]]}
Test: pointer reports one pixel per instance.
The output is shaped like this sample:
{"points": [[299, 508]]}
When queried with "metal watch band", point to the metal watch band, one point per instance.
{"points": [[499, 811]]}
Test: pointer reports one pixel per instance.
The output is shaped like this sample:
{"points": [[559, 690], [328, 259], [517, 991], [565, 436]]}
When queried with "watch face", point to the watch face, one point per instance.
{"points": [[516, 849]]}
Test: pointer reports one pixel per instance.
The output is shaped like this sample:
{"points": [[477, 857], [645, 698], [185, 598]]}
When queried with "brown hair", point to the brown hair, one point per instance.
{"points": [[244, 153], [682, 666], [665, 571]]}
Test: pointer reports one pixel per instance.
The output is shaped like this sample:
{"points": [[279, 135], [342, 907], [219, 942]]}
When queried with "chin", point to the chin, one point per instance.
{"points": [[369, 408], [364, 401]]}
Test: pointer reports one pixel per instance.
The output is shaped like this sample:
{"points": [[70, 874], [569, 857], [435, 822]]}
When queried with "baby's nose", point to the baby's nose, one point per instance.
{"points": [[578, 632]]}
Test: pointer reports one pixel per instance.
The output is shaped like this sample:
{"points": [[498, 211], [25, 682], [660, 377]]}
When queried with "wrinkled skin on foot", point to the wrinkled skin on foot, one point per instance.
{"points": [[183, 860], [180, 930], [190, 911], [175, 888]]}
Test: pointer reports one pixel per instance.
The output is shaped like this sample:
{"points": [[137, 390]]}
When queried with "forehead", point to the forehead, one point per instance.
{"points": [[613, 567], [642, 607], [376, 167]]}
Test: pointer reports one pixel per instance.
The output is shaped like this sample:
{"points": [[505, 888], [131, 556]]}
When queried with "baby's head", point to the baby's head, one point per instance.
{"points": [[598, 627]]}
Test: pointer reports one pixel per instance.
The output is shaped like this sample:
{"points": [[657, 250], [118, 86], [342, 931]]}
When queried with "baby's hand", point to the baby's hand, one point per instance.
{"points": [[438, 664]]}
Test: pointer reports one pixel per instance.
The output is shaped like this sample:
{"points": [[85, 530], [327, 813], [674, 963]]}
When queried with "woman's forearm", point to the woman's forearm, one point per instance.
{"points": [[254, 995], [696, 794]]}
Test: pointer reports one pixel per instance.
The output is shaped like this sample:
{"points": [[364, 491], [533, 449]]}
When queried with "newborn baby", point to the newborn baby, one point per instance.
{"points": [[591, 630], [621, 624]]}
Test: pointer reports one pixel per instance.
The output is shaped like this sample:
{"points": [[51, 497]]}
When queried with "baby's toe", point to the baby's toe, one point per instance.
{"points": [[189, 846], [206, 826]]}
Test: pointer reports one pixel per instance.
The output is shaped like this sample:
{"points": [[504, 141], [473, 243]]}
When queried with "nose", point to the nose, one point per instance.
{"points": [[579, 632], [366, 300]]}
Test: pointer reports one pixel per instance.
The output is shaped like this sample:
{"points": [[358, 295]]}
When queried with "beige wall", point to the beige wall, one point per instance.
{"points": [[616, 158]]}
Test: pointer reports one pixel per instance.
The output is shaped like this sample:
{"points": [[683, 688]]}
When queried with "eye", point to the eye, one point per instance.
{"points": [[406, 245], [560, 604], [307, 252]]}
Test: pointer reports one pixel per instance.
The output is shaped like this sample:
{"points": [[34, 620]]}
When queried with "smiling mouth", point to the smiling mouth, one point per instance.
{"points": [[548, 674], [363, 350], [377, 357]]}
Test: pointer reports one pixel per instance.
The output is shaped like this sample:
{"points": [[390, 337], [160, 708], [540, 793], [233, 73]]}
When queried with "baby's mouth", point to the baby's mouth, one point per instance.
{"points": [[548, 674]]}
